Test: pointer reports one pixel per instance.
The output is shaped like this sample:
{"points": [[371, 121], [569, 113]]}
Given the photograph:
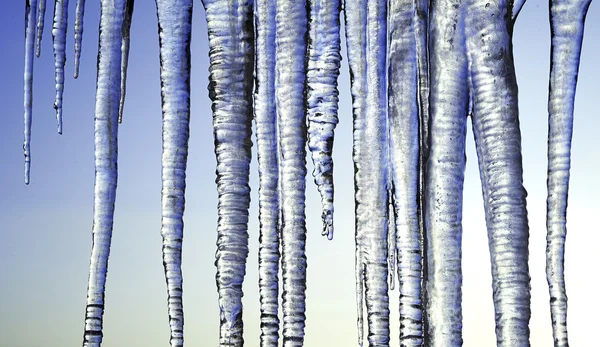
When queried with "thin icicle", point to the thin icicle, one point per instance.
{"points": [[403, 113], [125, 55], [174, 28], [231, 42], [322, 98], [268, 174], [40, 27], [567, 19], [444, 176], [105, 186], [367, 39], [392, 227], [79, 11], [291, 48], [59, 36], [30, 15], [498, 140]]}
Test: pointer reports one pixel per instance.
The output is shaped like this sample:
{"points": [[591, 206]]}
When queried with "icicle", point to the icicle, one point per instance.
{"points": [[59, 35], [366, 40], [125, 55], [175, 25], [40, 27], [30, 14], [231, 55], [322, 97], [498, 141], [79, 11], [403, 113], [567, 19], [268, 198], [445, 173], [291, 48], [105, 186], [392, 235]]}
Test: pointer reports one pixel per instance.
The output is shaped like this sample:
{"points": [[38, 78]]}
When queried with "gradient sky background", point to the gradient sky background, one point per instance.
{"points": [[46, 226]]}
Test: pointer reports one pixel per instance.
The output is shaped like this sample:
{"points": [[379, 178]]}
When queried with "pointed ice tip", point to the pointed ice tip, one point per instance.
{"points": [[27, 173], [327, 229], [76, 73]]}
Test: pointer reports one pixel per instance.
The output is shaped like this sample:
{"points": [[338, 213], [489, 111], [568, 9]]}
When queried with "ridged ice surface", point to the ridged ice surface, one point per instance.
{"points": [[322, 97], [403, 113], [79, 12], [291, 47], [366, 33], [30, 16], [105, 153], [231, 42], [175, 25], [40, 26], [567, 22], [445, 173], [498, 141], [125, 54], [59, 38], [268, 171]]}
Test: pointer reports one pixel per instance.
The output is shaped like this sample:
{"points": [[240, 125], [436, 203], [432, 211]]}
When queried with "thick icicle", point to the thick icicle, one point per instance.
{"points": [[498, 141], [366, 33], [268, 171], [403, 113], [567, 20], [30, 14], [322, 97], [59, 36], [291, 48], [231, 42], [40, 27], [174, 28], [125, 54], [105, 186], [444, 177], [79, 11]]}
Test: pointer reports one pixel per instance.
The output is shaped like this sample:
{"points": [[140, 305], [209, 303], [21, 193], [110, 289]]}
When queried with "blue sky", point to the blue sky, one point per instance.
{"points": [[46, 226]]}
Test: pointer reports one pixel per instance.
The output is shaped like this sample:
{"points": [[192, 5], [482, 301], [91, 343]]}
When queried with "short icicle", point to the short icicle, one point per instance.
{"points": [[30, 15], [175, 27], [444, 173], [231, 43], [59, 38], [268, 171], [105, 186], [125, 55], [567, 19], [403, 113], [498, 142], [324, 59], [40, 27], [79, 11]]}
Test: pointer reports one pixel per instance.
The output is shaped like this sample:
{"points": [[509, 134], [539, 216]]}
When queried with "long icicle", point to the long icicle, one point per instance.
{"points": [[40, 27], [498, 141], [175, 29], [105, 185], [291, 48], [403, 114], [125, 55], [567, 19], [30, 15], [231, 42], [268, 171], [324, 60], [445, 173], [59, 38], [79, 11]]}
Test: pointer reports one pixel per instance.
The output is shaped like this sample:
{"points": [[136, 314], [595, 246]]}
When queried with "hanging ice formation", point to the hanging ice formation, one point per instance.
{"points": [[125, 54], [567, 19], [59, 36], [175, 24], [105, 185], [40, 27], [268, 171], [231, 42], [30, 15], [79, 11], [322, 97]]}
